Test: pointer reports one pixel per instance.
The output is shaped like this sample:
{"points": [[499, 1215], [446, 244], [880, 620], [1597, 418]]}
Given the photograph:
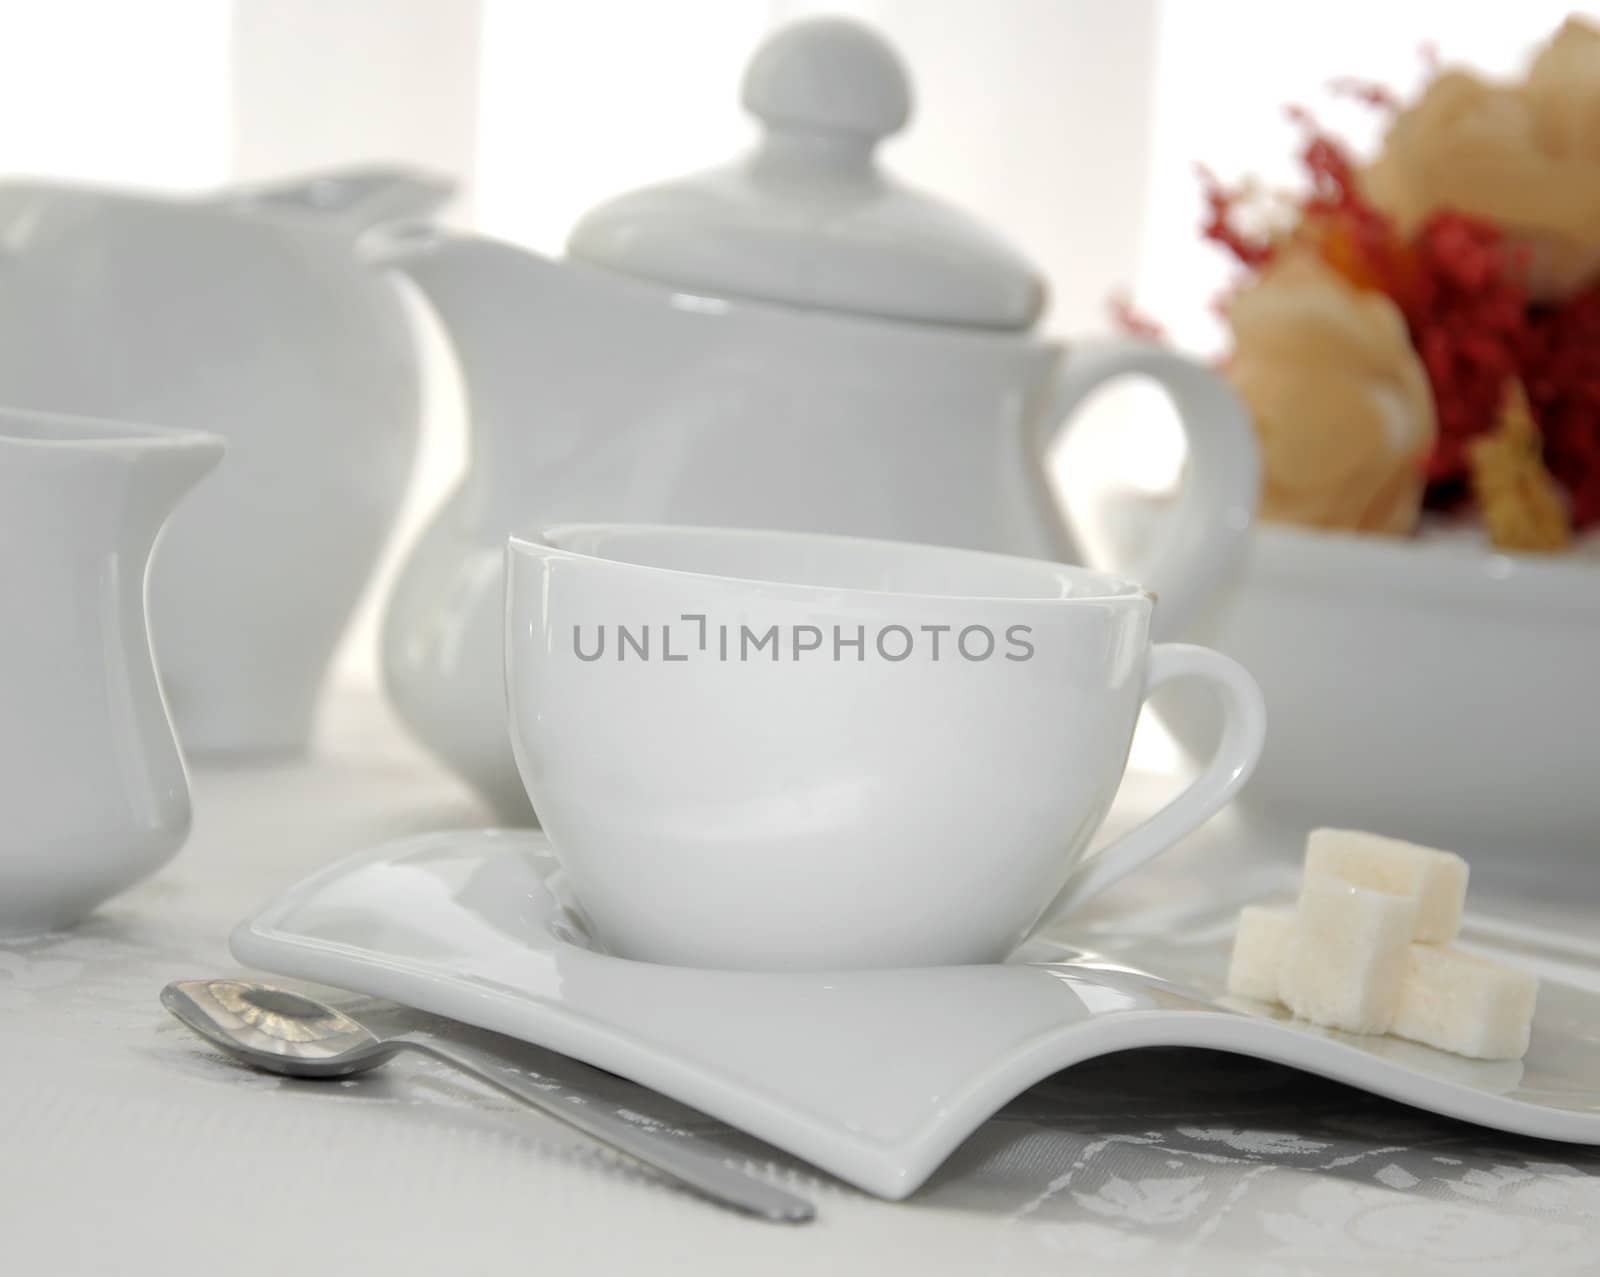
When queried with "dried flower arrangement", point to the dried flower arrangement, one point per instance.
{"points": [[1423, 332]]}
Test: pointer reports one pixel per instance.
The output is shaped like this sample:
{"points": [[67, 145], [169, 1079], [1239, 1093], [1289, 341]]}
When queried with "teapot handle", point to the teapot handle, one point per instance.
{"points": [[352, 199], [1221, 489]]}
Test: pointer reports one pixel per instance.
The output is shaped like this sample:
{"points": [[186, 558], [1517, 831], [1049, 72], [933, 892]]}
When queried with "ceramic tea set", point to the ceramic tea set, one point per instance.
{"points": [[796, 341]]}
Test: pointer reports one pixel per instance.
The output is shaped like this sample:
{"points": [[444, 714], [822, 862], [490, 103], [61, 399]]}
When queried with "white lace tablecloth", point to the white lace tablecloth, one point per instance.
{"points": [[127, 1147]]}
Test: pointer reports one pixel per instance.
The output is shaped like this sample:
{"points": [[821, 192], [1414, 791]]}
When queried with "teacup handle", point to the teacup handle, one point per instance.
{"points": [[1221, 488], [1244, 729]]}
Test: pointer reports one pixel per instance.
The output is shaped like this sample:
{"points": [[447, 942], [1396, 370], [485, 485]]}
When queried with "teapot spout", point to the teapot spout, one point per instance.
{"points": [[497, 303]]}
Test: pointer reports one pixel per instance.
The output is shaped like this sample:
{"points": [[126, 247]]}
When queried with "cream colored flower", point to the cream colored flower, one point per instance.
{"points": [[1523, 156], [1562, 89], [1340, 401], [1519, 500]]}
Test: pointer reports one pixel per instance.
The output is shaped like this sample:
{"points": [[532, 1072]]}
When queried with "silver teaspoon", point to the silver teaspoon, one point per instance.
{"points": [[281, 1032]]}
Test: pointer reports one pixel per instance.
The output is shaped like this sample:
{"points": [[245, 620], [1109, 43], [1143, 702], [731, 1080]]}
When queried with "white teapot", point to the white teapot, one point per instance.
{"points": [[795, 341]]}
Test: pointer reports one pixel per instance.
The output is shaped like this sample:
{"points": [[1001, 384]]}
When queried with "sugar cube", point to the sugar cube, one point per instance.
{"points": [[1346, 955], [1458, 1001], [1259, 946], [1438, 879]]}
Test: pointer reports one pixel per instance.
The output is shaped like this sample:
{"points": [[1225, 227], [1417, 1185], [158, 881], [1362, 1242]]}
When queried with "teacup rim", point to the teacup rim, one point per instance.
{"points": [[1120, 590]]}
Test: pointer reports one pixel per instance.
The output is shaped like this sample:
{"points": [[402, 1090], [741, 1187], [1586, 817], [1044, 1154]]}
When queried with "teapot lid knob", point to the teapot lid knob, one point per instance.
{"points": [[828, 75], [808, 218]]}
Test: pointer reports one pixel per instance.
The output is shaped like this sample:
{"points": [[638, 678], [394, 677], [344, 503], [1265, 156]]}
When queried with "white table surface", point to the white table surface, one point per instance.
{"points": [[128, 1147]]}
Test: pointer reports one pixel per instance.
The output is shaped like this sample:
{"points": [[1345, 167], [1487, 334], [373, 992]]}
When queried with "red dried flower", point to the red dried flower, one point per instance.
{"points": [[1354, 238], [1132, 321], [1380, 97], [1561, 362], [1469, 325], [1221, 228]]}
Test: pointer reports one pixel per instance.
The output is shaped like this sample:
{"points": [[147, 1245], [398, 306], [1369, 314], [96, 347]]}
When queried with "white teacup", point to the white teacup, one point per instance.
{"points": [[771, 750]]}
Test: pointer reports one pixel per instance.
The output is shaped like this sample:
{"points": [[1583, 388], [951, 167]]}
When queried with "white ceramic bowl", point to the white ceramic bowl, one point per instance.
{"points": [[1431, 688]]}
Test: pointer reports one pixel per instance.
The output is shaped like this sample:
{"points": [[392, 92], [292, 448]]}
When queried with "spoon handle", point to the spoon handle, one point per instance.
{"points": [[689, 1167]]}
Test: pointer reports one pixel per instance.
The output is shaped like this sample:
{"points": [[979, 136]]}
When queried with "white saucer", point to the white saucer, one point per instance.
{"points": [[875, 1076]]}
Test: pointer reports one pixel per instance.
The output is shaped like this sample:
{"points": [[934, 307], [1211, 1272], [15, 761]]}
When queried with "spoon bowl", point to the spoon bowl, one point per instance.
{"points": [[303, 1037]]}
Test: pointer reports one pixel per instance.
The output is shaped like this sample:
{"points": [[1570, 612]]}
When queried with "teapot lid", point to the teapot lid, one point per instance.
{"points": [[809, 218]]}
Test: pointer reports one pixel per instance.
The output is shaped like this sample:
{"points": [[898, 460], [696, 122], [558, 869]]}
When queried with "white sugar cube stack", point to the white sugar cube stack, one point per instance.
{"points": [[1367, 949]]}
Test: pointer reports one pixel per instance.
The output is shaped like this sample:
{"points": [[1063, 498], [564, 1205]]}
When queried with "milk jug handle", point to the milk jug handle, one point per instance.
{"points": [[1205, 532]]}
